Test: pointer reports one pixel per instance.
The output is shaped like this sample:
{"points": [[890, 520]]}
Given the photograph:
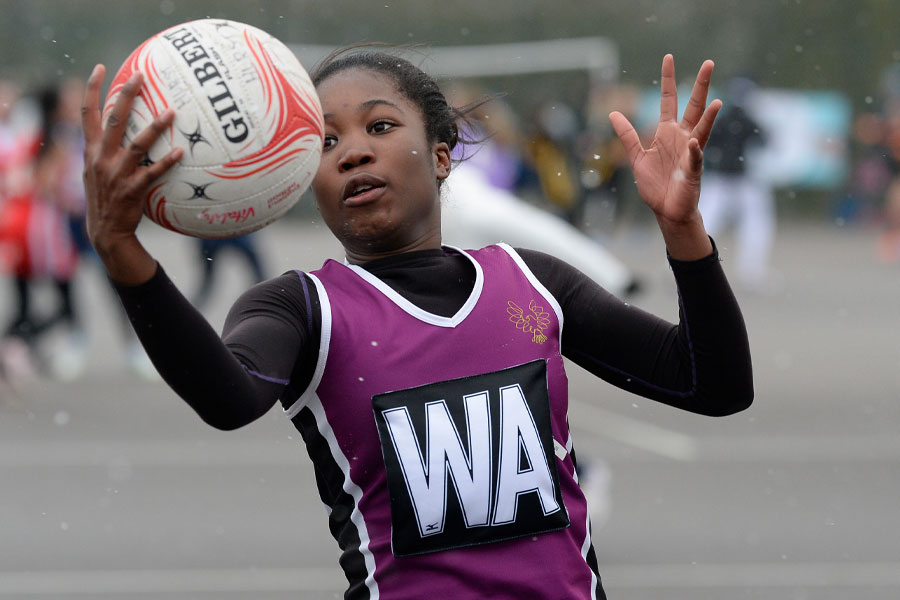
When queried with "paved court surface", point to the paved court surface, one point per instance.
{"points": [[110, 487]]}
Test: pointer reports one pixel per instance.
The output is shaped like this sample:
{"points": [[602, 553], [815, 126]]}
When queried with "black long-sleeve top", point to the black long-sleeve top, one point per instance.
{"points": [[270, 341]]}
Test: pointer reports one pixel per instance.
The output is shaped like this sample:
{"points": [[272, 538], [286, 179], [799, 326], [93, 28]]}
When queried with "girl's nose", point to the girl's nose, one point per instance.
{"points": [[355, 157]]}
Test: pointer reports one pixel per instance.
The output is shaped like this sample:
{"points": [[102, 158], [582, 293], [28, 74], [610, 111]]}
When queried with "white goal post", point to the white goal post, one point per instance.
{"points": [[597, 56]]}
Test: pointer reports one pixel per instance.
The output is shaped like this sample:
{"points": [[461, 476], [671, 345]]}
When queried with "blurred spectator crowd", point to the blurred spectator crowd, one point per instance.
{"points": [[42, 236], [872, 193]]}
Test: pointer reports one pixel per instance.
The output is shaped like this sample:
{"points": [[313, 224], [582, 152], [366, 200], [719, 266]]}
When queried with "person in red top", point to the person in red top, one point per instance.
{"points": [[36, 234]]}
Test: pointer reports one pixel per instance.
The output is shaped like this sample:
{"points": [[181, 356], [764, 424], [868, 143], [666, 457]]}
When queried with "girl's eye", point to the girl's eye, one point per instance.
{"points": [[381, 126], [328, 141]]}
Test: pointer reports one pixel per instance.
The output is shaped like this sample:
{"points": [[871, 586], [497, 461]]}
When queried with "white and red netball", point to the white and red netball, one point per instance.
{"points": [[246, 115]]}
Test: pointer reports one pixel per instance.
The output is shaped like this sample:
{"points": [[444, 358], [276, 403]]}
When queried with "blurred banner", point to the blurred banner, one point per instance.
{"points": [[806, 131], [807, 134]]}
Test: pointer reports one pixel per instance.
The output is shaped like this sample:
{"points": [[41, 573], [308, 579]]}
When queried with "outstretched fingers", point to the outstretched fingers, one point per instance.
{"points": [[668, 102], [695, 156], [90, 106], [704, 126], [156, 169], [117, 118], [140, 146], [696, 105], [630, 139]]}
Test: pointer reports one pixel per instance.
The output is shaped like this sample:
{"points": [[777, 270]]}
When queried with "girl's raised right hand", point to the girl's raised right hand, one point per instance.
{"points": [[115, 182]]}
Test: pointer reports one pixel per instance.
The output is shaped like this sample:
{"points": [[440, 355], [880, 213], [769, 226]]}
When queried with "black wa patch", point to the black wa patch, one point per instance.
{"points": [[470, 461]]}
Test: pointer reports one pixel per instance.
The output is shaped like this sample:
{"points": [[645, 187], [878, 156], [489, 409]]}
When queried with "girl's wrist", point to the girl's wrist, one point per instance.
{"points": [[686, 240], [126, 260]]}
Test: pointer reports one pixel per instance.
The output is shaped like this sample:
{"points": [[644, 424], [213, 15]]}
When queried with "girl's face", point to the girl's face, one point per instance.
{"points": [[377, 183]]}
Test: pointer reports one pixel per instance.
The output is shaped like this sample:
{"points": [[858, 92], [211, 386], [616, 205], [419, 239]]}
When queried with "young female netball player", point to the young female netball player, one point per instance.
{"points": [[428, 381]]}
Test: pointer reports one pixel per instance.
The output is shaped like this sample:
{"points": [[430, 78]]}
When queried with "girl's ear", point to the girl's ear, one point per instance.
{"points": [[441, 153]]}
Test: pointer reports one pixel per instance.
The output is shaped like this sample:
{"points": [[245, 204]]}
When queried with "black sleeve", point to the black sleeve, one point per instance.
{"points": [[702, 364], [231, 380]]}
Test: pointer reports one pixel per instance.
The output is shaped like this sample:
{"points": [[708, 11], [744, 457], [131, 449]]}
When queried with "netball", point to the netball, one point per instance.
{"points": [[246, 115]]}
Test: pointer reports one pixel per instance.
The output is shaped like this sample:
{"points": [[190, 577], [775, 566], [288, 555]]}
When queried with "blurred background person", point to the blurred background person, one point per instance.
{"points": [[15, 150], [482, 205], [733, 193], [38, 238], [68, 142], [59, 188], [499, 156], [605, 173], [210, 259], [551, 153], [889, 238], [872, 169], [887, 149]]}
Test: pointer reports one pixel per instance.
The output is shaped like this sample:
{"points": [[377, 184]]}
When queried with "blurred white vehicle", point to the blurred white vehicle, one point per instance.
{"points": [[476, 214]]}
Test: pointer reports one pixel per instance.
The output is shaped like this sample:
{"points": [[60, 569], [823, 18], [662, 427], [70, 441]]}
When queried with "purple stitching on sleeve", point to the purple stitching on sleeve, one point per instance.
{"points": [[266, 377], [687, 335], [309, 322]]}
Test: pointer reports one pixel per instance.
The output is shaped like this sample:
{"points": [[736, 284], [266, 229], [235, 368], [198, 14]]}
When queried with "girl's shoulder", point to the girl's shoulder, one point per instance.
{"points": [[291, 293]]}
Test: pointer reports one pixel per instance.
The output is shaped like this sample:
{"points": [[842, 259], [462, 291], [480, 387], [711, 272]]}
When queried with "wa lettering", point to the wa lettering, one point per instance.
{"points": [[490, 467], [470, 460]]}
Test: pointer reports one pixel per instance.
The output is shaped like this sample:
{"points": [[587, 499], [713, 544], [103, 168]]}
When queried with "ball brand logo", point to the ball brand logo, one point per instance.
{"points": [[199, 190], [208, 76], [535, 322], [194, 137]]}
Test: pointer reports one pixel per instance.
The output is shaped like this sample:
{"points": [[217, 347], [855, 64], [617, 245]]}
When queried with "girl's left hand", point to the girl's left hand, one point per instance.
{"points": [[668, 172]]}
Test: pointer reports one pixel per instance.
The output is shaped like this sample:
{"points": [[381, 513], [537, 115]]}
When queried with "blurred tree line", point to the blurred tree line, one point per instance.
{"points": [[817, 44]]}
